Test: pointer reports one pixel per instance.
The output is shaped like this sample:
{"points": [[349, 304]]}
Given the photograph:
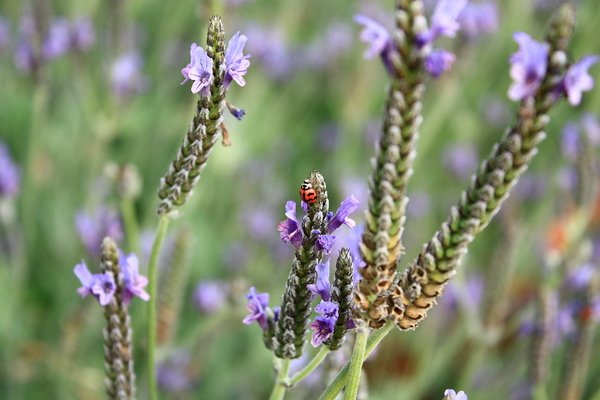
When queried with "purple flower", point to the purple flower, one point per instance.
{"points": [[290, 230], [10, 175], [257, 306], [324, 324], [450, 394], [580, 277], [528, 67], [210, 296], [235, 61], [82, 34], [378, 39], [133, 282], [347, 207], [92, 228], [325, 243], [101, 286], [439, 61], [199, 70], [571, 141], [443, 21], [479, 18], [125, 75], [175, 373], [460, 160], [577, 79], [327, 309], [271, 49], [322, 287], [58, 41]]}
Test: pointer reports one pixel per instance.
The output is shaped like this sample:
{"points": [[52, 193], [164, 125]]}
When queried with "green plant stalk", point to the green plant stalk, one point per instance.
{"points": [[310, 367], [131, 225], [356, 362], [338, 383], [161, 233], [282, 377]]}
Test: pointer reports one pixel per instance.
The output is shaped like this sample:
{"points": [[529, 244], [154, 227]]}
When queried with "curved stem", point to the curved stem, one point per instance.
{"points": [[282, 376], [339, 381], [310, 367], [356, 362], [131, 225], [161, 232]]}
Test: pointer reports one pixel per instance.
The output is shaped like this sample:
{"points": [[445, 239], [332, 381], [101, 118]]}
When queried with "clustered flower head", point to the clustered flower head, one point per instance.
{"points": [[200, 68], [444, 22], [529, 66], [103, 286]]}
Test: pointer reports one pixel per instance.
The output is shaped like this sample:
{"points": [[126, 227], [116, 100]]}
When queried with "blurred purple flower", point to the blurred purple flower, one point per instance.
{"points": [[257, 306], [58, 41], [101, 286], [322, 287], [82, 34], [418, 205], [528, 67], [443, 21], [570, 141], [567, 178], [210, 296], [341, 216], [133, 282], [479, 18], [324, 324], [199, 70], [577, 79], [378, 39], [126, 76], [259, 222], [174, 374], [24, 57], [92, 228], [334, 42], [591, 127], [438, 61], [580, 277], [530, 187], [235, 61], [271, 49], [450, 394], [290, 230], [10, 175], [4, 34], [460, 160]]}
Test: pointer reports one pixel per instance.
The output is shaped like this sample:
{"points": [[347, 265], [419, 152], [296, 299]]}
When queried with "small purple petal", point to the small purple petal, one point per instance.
{"points": [[322, 287], [104, 288], [235, 61], [325, 243], [257, 307], [443, 21], [341, 216], [528, 67], [134, 283], [290, 229], [577, 79], [322, 328], [438, 62]]}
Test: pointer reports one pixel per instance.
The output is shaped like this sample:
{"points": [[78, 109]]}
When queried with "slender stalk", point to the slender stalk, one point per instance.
{"points": [[339, 381], [131, 225], [310, 367], [161, 232], [282, 377], [356, 362]]}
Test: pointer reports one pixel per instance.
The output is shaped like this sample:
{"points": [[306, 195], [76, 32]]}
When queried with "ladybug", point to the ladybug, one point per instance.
{"points": [[307, 192]]}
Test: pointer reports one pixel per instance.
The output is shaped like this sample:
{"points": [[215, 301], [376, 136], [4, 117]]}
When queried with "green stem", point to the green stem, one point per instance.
{"points": [[356, 362], [338, 383], [282, 377], [131, 225], [161, 232], [310, 367]]}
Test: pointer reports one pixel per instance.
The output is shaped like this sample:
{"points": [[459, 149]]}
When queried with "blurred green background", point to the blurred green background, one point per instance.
{"points": [[312, 102]]}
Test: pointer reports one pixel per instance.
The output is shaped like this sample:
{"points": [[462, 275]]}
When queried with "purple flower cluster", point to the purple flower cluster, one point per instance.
{"points": [[93, 227], [529, 65], [290, 230], [103, 286], [324, 324], [10, 175], [200, 68], [443, 23]]}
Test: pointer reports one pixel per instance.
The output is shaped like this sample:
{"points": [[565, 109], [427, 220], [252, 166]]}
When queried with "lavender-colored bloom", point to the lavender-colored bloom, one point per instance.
{"points": [[175, 373], [94, 227], [271, 49], [591, 127], [4, 34], [259, 222], [58, 41], [82, 34], [460, 160], [341, 216], [378, 39], [125, 75], [571, 142], [443, 21], [322, 287], [199, 70], [10, 175], [439, 61], [235, 61], [327, 309], [577, 79], [236, 112], [324, 324], [257, 306], [290, 230], [133, 282], [580, 277], [479, 18], [528, 67], [325, 243], [210, 296], [101, 286], [450, 394]]}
